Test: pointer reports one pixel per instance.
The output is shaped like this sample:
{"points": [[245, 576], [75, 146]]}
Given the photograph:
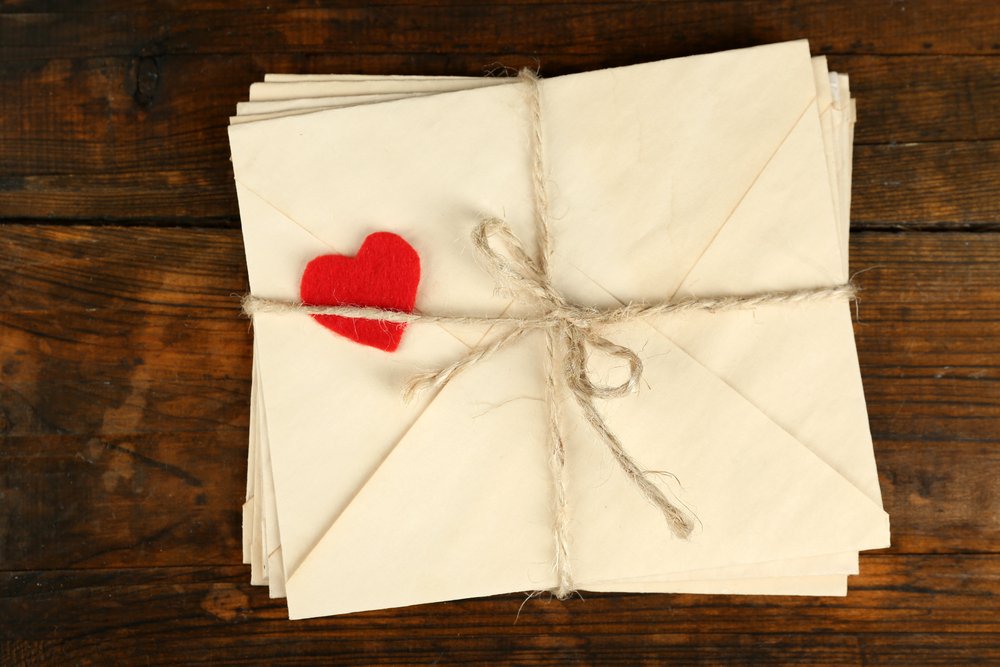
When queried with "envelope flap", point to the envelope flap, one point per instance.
{"points": [[758, 494], [338, 409], [782, 234], [459, 508], [648, 164], [799, 366], [418, 167]]}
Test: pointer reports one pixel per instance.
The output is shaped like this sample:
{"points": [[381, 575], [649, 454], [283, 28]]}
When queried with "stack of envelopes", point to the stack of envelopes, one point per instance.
{"points": [[719, 174]]}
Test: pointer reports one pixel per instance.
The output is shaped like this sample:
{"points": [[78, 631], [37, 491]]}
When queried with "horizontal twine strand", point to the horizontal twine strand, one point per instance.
{"points": [[581, 316]]}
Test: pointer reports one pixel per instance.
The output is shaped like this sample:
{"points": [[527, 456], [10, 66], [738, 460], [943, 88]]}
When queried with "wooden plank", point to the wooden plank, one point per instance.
{"points": [[952, 599], [135, 114], [908, 99], [929, 334], [140, 501], [139, 456], [131, 138], [104, 6], [294, 647], [124, 368], [662, 29], [154, 196], [942, 497], [169, 499], [940, 185], [945, 185]]}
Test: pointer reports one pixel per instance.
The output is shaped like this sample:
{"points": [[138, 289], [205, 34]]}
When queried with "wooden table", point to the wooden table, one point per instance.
{"points": [[125, 368]]}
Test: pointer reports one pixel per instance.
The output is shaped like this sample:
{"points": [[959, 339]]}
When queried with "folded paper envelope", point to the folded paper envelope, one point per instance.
{"points": [[698, 176], [802, 576]]}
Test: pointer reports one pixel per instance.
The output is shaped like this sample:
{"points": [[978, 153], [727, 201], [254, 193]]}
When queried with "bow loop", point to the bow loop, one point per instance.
{"points": [[579, 343], [516, 272], [520, 275]]}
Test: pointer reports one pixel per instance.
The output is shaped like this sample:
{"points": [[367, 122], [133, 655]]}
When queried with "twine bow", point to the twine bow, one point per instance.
{"points": [[571, 335]]}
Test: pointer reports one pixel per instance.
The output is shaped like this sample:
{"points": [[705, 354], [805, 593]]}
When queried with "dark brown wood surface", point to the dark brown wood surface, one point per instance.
{"points": [[125, 369]]}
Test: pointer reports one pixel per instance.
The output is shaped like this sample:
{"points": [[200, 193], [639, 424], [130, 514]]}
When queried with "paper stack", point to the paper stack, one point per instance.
{"points": [[726, 174]]}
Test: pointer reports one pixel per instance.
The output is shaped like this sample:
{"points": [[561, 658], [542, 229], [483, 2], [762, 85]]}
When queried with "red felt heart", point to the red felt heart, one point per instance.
{"points": [[384, 274]]}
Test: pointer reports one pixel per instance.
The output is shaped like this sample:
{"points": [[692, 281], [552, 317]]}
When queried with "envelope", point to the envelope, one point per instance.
{"points": [[697, 176]]}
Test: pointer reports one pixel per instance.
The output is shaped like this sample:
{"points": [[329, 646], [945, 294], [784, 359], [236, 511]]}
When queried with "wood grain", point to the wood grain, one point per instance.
{"points": [[809, 649], [663, 29], [124, 366], [902, 608], [155, 500], [939, 185], [140, 455], [944, 649], [145, 138]]}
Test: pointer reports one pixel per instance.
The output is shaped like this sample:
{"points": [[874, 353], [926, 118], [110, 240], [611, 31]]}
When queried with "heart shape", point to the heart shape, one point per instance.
{"points": [[384, 274]]}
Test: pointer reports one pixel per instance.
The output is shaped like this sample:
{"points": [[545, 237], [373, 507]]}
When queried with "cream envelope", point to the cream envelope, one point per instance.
{"points": [[280, 77], [787, 561], [401, 508], [269, 90], [812, 583], [812, 567]]}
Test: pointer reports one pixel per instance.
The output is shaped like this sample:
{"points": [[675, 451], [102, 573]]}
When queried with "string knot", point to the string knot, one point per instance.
{"points": [[518, 275]]}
